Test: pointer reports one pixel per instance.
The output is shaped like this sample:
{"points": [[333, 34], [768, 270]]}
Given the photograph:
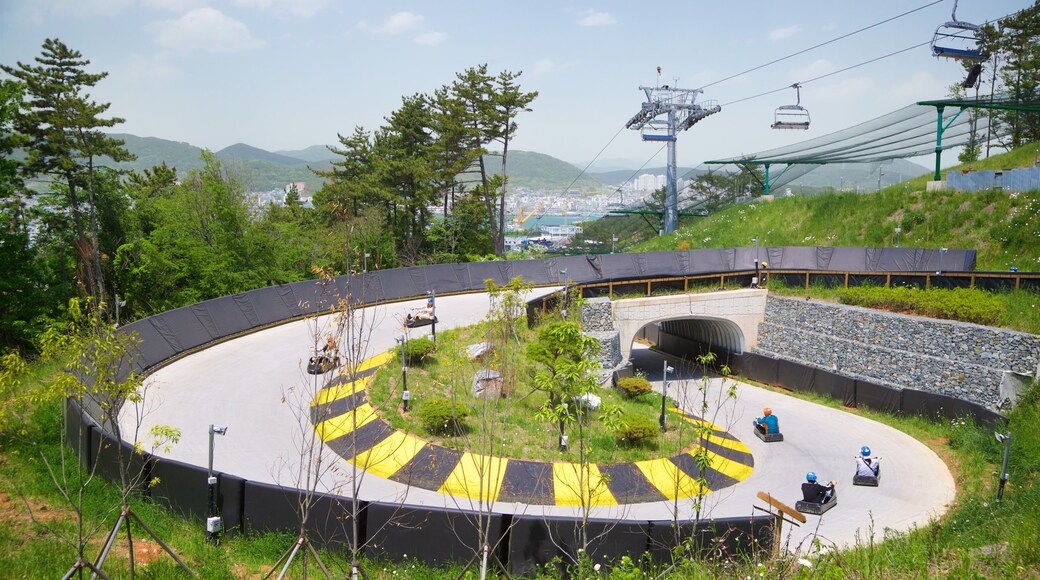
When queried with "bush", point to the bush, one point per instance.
{"points": [[438, 418], [964, 304], [637, 428], [634, 386], [417, 349]]}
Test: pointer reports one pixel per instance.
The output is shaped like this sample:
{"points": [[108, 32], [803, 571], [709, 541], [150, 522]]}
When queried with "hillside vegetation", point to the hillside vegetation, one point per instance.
{"points": [[1004, 228]]}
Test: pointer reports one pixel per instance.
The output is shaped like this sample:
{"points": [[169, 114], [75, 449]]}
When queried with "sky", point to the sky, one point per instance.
{"points": [[288, 74]]}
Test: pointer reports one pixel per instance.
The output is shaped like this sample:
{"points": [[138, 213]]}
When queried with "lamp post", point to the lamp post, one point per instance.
{"points": [[432, 303], [1005, 438], [563, 275], [942, 256], [118, 304], [613, 240], [365, 267], [754, 281], [405, 394], [664, 391], [899, 235], [213, 522]]}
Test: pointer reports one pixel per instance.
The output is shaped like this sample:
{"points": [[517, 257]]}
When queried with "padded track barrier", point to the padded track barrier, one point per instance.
{"points": [[268, 507], [182, 487], [423, 532], [534, 541], [430, 535]]}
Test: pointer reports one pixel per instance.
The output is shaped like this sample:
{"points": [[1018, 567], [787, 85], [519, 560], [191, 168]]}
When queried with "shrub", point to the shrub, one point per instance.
{"points": [[417, 349], [634, 386], [637, 428], [965, 304], [439, 418]]}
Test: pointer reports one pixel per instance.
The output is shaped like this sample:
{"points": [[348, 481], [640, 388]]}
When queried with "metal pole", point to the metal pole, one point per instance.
{"points": [[664, 393], [671, 196], [117, 309], [1004, 468], [404, 368], [938, 142], [433, 314], [899, 235], [756, 284], [213, 521]]}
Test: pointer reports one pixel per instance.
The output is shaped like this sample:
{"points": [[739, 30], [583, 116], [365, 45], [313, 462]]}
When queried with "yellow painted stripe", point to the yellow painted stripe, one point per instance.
{"points": [[345, 423], [734, 444], [347, 389], [669, 479], [735, 469], [376, 361], [570, 488], [340, 391], [476, 477], [389, 455]]}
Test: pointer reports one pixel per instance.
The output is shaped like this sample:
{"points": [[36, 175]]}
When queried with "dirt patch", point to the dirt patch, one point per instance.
{"points": [[23, 512]]}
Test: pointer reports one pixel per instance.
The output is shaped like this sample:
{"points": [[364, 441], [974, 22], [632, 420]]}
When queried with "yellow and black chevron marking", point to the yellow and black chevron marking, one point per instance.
{"points": [[348, 424]]}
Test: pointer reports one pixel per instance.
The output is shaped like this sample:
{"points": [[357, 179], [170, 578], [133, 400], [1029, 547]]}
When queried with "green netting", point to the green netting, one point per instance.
{"points": [[907, 132]]}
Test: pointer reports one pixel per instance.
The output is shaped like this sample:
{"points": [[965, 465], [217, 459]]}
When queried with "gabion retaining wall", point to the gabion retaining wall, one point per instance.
{"points": [[962, 360]]}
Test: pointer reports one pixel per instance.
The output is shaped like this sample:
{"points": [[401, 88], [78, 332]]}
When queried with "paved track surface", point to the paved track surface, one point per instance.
{"points": [[256, 385]]}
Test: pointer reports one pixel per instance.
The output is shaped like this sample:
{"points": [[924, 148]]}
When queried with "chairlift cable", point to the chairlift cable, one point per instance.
{"points": [[803, 51]]}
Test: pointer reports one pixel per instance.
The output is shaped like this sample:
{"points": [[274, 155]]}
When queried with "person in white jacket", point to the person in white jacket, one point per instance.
{"points": [[867, 466]]}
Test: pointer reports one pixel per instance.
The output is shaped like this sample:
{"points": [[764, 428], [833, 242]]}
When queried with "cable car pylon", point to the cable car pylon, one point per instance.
{"points": [[667, 111]]}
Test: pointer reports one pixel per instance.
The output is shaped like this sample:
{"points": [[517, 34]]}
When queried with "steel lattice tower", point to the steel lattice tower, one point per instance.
{"points": [[680, 111]]}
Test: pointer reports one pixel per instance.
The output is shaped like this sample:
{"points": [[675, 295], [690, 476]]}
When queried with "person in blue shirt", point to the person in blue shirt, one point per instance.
{"points": [[768, 423]]}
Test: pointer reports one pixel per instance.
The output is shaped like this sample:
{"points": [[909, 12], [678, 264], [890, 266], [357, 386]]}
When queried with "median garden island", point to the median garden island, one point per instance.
{"points": [[502, 388]]}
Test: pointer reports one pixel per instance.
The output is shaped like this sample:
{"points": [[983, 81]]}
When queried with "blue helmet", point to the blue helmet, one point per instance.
{"points": [[810, 477], [864, 451]]}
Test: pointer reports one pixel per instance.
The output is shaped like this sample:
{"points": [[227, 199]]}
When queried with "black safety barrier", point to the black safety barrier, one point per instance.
{"points": [[231, 492], [106, 464], [78, 435], [535, 541], [267, 508], [933, 405], [181, 487], [255, 507], [837, 386], [430, 535], [878, 397], [723, 537]]}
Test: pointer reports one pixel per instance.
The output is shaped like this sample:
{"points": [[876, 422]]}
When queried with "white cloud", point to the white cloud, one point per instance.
{"points": [[784, 33], [594, 18], [543, 67], [39, 11], [400, 23], [300, 8], [204, 29], [430, 38], [816, 68], [174, 5]]}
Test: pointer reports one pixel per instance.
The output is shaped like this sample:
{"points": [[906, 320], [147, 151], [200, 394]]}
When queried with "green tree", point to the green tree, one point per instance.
{"points": [[1019, 52], [65, 142], [508, 102], [567, 359]]}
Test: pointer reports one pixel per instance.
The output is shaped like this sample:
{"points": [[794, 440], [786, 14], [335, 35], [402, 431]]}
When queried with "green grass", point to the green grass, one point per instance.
{"points": [[1002, 227], [977, 538], [510, 420]]}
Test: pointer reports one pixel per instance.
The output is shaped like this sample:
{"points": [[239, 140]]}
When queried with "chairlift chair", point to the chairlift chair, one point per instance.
{"points": [[958, 40], [792, 116]]}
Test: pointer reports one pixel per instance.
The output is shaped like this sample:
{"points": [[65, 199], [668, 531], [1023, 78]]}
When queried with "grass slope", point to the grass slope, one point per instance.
{"points": [[1003, 227]]}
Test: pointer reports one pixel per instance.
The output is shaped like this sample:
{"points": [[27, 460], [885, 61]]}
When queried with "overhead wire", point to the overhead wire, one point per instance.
{"points": [[820, 77], [825, 43]]}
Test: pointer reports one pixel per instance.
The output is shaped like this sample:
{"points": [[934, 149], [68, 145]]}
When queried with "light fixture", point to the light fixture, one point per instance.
{"points": [[213, 521]]}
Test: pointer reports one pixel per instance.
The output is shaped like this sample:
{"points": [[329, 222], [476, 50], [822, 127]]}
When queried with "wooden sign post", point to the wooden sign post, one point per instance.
{"points": [[781, 510]]}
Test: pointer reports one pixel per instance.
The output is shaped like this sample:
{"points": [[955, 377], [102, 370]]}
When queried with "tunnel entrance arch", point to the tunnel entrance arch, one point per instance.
{"points": [[728, 318]]}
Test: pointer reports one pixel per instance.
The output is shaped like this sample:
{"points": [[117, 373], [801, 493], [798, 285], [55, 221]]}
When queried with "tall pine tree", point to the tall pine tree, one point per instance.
{"points": [[65, 143]]}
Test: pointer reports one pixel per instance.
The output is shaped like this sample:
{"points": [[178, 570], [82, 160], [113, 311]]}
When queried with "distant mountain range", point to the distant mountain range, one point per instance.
{"points": [[264, 170]]}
